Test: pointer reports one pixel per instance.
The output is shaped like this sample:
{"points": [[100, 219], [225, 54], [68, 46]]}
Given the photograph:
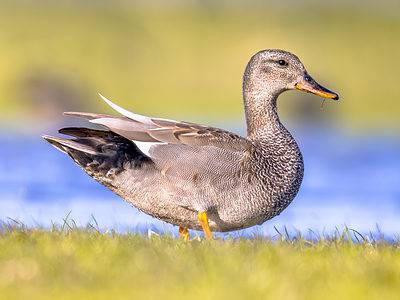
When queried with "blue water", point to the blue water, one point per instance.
{"points": [[349, 180]]}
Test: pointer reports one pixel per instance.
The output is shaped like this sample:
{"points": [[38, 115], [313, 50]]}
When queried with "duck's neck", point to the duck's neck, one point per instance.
{"points": [[262, 115], [272, 141]]}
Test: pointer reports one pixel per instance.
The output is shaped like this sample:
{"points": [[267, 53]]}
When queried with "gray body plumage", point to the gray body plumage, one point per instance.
{"points": [[190, 168], [238, 189]]}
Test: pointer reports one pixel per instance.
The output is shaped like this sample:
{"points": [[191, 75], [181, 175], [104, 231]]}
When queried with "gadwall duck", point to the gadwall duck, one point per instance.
{"points": [[196, 176]]}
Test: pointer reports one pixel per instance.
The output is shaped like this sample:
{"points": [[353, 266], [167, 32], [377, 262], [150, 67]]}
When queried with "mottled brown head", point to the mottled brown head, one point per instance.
{"points": [[270, 72]]}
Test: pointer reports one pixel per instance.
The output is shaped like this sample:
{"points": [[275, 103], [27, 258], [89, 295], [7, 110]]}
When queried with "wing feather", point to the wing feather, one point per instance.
{"points": [[147, 129]]}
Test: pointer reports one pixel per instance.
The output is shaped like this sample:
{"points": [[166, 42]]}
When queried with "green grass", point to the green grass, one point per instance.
{"points": [[186, 61], [87, 264]]}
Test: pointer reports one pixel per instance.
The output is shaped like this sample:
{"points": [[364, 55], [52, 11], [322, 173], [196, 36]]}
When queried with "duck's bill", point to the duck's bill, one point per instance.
{"points": [[316, 89]]}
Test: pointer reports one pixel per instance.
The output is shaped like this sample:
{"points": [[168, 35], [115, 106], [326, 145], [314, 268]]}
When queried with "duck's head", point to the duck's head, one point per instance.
{"points": [[271, 72]]}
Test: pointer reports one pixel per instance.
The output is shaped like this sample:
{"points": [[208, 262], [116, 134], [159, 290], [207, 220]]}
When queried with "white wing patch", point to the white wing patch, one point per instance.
{"points": [[145, 147]]}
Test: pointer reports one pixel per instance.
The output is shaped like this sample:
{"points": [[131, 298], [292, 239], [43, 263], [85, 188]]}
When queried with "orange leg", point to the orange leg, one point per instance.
{"points": [[203, 220], [184, 233]]}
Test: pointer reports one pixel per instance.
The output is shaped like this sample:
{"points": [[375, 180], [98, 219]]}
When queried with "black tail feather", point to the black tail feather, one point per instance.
{"points": [[83, 132], [102, 154]]}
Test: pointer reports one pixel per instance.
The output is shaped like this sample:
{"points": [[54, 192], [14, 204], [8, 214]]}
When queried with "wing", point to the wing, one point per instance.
{"points": [[156, 130]]}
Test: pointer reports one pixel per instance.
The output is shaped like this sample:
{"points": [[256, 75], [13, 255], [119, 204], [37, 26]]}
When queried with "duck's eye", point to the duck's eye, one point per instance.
{"points": [[282, 63]]}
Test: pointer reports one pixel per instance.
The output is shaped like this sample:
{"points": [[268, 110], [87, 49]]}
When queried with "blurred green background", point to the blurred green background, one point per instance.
{"points": [[185, 60]]}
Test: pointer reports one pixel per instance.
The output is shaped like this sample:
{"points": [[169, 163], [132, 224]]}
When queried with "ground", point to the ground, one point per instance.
{"points": [[88, 264]]}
